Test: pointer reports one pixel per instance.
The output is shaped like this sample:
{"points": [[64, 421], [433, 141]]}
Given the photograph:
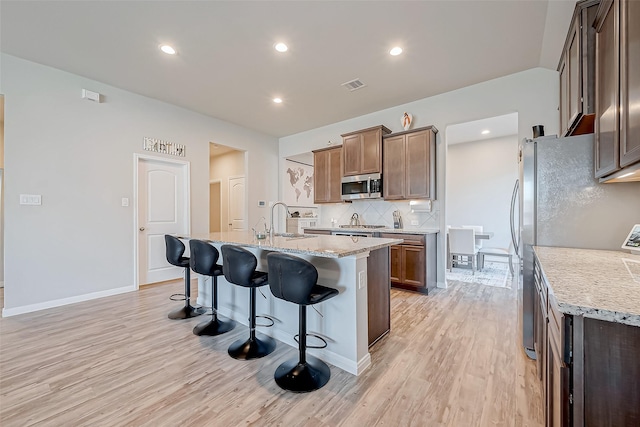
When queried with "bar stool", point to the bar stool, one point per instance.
{"points": [[239, 267], [203, 261], [294, 279], [175, 250]]}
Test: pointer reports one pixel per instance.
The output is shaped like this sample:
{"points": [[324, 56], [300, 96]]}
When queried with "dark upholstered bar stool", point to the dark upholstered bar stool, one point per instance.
{"points": [[239, 267], [294, 279], [175, 250], [203, 261]]}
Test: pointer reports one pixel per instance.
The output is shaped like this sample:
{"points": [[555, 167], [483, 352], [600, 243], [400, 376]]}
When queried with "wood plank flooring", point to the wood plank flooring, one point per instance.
{"points": [[452, 358]]}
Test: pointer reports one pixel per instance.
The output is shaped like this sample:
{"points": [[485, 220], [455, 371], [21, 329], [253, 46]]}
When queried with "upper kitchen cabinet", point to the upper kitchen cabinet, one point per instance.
{"points": [[617, 123], [362, 151], [327, 174], [577, 72], [408, 166]]}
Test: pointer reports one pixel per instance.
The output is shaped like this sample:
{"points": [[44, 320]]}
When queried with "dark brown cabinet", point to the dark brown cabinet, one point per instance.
{"points": [[588, 367], [409, 164], [413, 262], [362, 151], [617, 121], [577, 72], [327, 174]]}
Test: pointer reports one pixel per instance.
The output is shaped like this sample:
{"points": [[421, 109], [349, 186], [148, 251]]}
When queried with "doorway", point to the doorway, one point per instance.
{"points": [[227, 189], [481, 170], [162, 195]]}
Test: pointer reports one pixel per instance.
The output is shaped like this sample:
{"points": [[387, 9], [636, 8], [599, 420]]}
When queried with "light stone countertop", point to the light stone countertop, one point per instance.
{"points": [[379, 230], [310, 244], [598, 284]]}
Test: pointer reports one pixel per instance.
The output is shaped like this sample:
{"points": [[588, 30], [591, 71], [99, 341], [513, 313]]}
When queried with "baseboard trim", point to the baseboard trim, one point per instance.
{"points": [[2, 284], [8, 312]]}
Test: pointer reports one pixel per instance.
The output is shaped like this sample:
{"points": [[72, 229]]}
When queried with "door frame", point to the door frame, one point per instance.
{"points": [[137, 158]]}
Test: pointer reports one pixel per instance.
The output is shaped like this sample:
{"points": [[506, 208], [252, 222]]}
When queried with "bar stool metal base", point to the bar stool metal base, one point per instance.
{"points": [[253, 348], [186, 312], [214, 327], [302, 377]]}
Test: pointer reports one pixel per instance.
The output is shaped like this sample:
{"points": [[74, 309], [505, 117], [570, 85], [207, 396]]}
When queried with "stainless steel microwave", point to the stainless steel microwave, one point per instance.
{"points": [[362, 187]]}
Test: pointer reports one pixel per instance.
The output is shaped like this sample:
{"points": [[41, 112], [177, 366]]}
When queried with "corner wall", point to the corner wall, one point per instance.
{"points": [[533, 94], [78, 155]]}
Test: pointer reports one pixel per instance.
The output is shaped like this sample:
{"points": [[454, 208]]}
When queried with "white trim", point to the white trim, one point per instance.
{"points": [[2, 284], [7, 312], [137, 157]]}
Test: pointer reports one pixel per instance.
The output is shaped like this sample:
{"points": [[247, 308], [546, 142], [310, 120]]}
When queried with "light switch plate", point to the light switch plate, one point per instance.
{"points": [[415, 222], [31, 199]]}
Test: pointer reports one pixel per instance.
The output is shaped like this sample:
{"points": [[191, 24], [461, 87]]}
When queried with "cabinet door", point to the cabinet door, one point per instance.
{"points": [[371, 151], [418, 165], [413, 265], [351, 154], [574, 74], [630, 83], [320, 177], [396, 264], [557, 389], [334, 179], [607, 102], [564, 90], [393, 178]]}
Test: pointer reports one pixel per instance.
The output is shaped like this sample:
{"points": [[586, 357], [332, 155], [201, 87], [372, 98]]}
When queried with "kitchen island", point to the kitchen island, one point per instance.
{"points": [[341, 262], [587, 335]]}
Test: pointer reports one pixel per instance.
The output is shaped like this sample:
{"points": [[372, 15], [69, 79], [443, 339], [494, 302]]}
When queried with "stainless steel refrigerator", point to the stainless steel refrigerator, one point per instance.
{"points": [[562, 204]]}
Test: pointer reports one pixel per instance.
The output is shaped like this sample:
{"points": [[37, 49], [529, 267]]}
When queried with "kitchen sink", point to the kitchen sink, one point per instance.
{"points": [[295, 235]]}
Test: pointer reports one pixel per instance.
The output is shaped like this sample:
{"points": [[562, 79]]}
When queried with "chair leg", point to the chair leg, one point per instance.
{"points": [[214, 326], [254, 347], [307, 373], [187, 311]]}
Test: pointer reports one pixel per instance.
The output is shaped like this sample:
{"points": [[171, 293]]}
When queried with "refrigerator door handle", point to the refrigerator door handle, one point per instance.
{"points": [[514, 198]]}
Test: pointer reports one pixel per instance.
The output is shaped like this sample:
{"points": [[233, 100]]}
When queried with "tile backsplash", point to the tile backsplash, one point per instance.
{"points": [[378, 212]]}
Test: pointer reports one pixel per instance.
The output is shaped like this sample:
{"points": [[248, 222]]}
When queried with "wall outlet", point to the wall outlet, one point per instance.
{"points": [[262, 204], [415, 222], [362, 279], [125, 201]]}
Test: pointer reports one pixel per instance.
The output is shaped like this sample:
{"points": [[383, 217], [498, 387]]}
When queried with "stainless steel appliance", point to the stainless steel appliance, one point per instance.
{"points": [[561, 204], [362, 187]]}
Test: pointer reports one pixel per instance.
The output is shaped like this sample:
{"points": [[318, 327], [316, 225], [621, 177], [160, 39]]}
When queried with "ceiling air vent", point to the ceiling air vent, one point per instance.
{"points": [[353, 85]]}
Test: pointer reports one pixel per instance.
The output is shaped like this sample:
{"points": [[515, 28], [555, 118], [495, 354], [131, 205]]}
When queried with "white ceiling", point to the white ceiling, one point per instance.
{"points": [[226, 66], [498, 127]]}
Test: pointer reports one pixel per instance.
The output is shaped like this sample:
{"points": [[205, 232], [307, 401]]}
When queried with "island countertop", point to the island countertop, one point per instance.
{"points": [[598, 284], [308, 244]]}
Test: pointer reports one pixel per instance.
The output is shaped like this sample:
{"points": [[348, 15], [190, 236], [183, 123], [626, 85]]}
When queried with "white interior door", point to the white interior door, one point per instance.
{"points": [[237, 207], [163, 208]]}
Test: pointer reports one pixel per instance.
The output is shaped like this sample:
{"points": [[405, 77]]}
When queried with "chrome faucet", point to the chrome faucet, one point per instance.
{"points": [[271, 218], [355, 220]]}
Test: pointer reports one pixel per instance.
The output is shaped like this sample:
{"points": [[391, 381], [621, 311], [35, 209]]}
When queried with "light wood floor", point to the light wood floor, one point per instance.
{"points": [[452, 359]]}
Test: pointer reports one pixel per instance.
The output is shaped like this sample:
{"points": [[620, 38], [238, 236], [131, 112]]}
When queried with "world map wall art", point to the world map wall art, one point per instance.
{"points": [[298, 184]]}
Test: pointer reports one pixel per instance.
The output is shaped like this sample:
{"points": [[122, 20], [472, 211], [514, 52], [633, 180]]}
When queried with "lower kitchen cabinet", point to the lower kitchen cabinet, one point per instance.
{"points": [[589, 368], [413, 263]]}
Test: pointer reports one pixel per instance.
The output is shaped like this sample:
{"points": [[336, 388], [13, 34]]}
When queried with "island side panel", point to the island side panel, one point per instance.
{"points": [[378, 294]]}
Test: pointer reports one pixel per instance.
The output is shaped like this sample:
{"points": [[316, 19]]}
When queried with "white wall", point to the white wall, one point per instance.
{"points": [[79, 156], [533, 94], [222, 167], [480, 179]]}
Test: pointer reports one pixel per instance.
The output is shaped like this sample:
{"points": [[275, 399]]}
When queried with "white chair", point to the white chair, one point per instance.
{"points": [[462, 244], [477, 229], [496, 252]]}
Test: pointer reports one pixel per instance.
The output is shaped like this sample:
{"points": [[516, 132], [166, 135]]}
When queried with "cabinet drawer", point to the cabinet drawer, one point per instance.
{"points": [[409, 239]]}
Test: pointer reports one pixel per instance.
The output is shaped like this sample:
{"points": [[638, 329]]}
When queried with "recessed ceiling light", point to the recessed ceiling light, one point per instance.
{"points": [[396, 51], [168, 49], [281, 47], [277, 100], [485, 132]]}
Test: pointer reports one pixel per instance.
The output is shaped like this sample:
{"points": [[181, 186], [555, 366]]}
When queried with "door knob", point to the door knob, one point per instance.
{"points": [[141, 228]]}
